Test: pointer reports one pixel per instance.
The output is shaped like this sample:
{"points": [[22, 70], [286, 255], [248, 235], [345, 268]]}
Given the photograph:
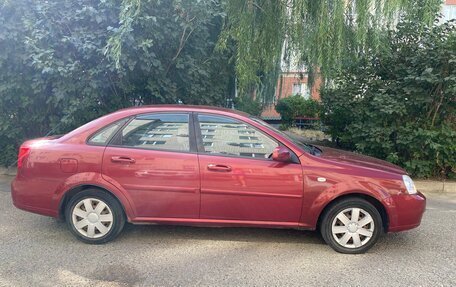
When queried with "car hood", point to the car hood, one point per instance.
{"points": [[359, 160]]}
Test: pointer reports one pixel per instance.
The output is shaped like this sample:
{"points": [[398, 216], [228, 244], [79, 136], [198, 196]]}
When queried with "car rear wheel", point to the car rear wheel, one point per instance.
{"points": [[94, 216], [351, 225]]}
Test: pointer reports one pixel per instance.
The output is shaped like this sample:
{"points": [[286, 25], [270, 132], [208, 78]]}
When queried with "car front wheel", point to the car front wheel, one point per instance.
{"points": [[351, 226], [94, 216]]}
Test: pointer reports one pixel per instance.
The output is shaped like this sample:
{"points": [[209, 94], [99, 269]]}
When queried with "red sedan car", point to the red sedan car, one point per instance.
{"points": [[197, 165]]}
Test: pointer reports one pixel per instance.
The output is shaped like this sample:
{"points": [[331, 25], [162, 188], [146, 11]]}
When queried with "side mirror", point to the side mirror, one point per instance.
{"points": [[281, 154]]}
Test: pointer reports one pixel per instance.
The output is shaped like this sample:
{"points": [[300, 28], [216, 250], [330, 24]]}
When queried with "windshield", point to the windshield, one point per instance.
{"points": [[306, 147]]}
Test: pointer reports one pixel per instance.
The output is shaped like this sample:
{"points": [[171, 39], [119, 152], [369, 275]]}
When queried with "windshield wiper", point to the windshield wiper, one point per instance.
{"points": [[315, 150]]}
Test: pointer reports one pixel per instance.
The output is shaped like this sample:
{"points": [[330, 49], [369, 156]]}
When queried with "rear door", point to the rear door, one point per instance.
{"points": [[238, 179], [154, 160]]}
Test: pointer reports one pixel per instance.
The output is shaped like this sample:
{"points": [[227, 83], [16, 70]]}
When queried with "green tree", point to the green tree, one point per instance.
{"points": [[399, 103], [166, 50], [55, 72], [52, 70], [322, 34], [248, 104]]}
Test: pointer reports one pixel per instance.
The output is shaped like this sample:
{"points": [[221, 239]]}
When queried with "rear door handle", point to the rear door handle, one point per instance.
{"points": [[219, 167], [122, 159]]}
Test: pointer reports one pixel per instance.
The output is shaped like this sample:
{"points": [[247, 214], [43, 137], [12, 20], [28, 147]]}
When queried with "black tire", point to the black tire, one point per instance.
{"points": [[118, 216], [339, 206]]}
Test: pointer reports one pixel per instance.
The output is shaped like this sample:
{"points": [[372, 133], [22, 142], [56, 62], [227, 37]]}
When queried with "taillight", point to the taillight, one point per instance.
{"points": [[23, 153]]}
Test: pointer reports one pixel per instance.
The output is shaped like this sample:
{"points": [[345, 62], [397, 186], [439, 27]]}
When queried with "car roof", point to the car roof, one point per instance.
{"points": [[191, 108]]}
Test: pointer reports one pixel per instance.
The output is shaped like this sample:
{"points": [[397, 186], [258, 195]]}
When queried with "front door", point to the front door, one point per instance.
{"points": [[238, 179], [154, 162]]}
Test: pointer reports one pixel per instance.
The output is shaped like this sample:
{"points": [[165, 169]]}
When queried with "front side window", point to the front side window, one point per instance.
{"points": [[232, 137], [246, 132], [157, 131], [307, 147], [248, 138]]}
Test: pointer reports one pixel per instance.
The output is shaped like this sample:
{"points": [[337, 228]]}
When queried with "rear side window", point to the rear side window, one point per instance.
{"points": [[157, 132], [104, 135]]}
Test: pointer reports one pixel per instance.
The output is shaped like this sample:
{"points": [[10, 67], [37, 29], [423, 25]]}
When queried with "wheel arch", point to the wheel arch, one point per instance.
{"points": [[76, 189], [372, 200]]}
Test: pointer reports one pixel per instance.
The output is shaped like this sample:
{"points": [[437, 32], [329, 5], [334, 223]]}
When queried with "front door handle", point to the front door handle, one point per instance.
{"points": [[122, 159], [219, 167]]}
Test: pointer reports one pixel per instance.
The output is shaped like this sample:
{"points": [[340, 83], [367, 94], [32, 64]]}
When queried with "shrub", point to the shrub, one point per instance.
{"points": [[296, 106], [399, 104]]}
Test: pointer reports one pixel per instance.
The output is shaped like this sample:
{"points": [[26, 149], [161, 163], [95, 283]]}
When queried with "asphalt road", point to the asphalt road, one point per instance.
{"points": [[39, 251]]}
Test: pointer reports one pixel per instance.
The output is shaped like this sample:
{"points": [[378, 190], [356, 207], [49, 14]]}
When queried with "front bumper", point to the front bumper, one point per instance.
{"points": [[407, 212]]}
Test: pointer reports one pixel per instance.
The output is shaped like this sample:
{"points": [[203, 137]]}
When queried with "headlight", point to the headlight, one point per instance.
{"points": [[409, 185]]}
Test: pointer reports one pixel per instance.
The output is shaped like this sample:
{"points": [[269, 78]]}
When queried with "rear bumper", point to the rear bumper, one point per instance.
{"points": [[407, 212], [23, 198]]}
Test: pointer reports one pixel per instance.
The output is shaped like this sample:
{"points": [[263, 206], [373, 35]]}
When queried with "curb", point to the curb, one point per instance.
{"points": [[8, 171], [436, 186]]}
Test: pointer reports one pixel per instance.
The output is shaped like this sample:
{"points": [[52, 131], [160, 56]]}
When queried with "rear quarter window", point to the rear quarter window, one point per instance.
{"points": [[103, 136]]}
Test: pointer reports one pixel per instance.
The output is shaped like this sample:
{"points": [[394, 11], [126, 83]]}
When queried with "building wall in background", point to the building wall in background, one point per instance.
{"points": [[449, 10]]}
